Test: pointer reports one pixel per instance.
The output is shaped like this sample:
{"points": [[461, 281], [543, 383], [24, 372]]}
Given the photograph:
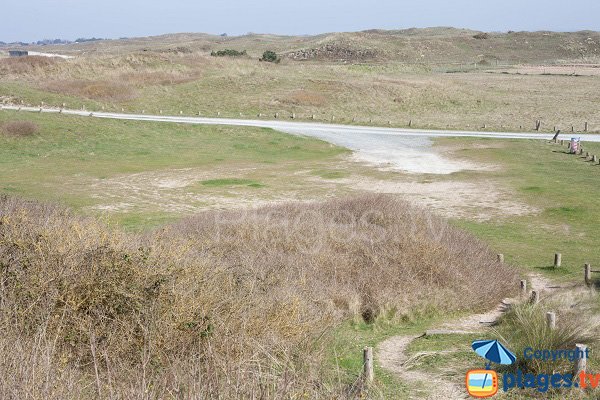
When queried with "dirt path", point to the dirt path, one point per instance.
{"points": [[391, 354]]}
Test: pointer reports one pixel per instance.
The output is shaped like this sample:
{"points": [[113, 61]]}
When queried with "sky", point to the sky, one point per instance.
{"points": [[31, 20]]}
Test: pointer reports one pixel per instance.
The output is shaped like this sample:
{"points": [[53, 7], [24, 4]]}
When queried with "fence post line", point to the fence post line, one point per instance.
{"points": [[500, 258], [551, 320], [368, 364], [585, 127], [581, 360], [557, 260], [587, 274], [523, 288]]}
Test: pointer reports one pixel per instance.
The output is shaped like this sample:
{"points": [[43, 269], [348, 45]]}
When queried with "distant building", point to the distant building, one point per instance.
{"points": [[18, 53]]}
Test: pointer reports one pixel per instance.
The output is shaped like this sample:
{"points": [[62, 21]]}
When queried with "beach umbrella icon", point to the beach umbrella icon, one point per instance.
{"points": [[494, 352]]}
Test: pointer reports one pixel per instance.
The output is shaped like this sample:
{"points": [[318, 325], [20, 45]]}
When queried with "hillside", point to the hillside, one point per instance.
{"points": [[430, 45]]}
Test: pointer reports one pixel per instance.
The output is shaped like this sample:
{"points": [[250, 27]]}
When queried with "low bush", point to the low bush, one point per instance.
{"points": [[270, 56], [19, 128], [231, 304], [228, 53]]}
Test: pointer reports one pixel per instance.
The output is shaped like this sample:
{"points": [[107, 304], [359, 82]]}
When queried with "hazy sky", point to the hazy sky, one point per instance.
{"points": [[29, 20]]}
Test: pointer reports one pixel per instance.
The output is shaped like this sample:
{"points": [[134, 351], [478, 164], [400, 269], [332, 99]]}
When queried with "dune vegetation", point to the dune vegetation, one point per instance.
{"points": [[433, 78], [225, 304]]}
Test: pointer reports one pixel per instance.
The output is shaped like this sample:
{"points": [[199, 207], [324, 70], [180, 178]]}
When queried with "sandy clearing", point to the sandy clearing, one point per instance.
{"points": [[480, 201]]}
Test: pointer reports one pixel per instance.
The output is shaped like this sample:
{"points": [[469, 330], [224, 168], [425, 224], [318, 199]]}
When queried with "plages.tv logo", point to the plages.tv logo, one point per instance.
{"points": [[482, 383]]}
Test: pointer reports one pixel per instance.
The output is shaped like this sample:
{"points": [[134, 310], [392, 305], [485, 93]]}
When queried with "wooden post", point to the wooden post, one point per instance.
{"points": [[293, 115], [409, 123], [585, 127], [218, 113], [276, 115], [572, 128], [562, 142], [581, 360], [551, 320], [538, 124], [312, 116], [523, 288], [368, 364], [588, 274], [160, 111], [500, 258], [535, 297], [594, 158], [557, 260], [333, 118], [180, 112]]}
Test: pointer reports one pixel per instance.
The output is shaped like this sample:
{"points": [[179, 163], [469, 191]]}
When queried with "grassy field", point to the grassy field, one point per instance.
{"points": [[144, 174], [562, 188]]}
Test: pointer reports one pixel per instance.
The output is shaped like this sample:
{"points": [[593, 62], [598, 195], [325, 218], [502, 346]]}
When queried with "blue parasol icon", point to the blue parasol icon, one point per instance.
{"points": [[494, 352]]}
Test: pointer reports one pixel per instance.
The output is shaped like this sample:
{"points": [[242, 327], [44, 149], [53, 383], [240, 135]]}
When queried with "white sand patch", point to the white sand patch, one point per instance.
{"points": [[454, 199]]}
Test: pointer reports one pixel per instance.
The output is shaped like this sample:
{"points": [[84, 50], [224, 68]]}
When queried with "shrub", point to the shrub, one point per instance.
{"points": [[270, 56], [224, 304], [228, 53], [482, 36], [19, 128]]}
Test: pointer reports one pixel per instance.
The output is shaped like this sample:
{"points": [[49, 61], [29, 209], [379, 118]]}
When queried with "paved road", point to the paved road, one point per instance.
{"points": [[406, 150], [308, 127]]}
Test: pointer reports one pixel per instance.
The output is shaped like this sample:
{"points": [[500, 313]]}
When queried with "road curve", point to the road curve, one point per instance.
{"points": [[308, 128]]}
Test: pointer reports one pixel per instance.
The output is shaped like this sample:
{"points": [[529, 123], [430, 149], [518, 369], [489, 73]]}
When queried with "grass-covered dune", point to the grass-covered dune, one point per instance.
{"points": [[227, 304]]}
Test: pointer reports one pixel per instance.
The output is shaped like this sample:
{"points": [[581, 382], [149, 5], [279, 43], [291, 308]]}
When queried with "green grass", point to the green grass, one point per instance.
{"points": [[87, 163], [562, 188], [231, 182], [345, 352]]}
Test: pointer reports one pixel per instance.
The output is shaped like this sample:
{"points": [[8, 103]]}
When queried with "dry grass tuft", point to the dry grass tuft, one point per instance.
{"points": [[525, 326], [226, 304], [305, 98], [26, 65], [19, 128], [95, 90]]}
